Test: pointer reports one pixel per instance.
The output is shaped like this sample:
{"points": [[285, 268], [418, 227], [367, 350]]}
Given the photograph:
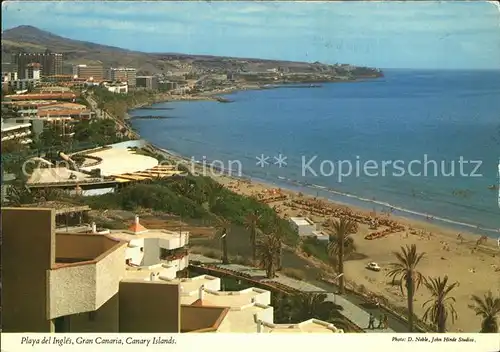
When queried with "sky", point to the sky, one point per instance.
{"points": [[417, 34]]}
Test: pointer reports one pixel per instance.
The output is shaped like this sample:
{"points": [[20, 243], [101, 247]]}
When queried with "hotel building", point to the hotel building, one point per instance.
{"points": [[123, 74], [89, 72], [121, 281], [51, 63], [147, 82]]}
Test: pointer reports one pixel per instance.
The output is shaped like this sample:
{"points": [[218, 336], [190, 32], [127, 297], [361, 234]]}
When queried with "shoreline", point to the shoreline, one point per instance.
{"points": [[366, 206], [463, 259]]}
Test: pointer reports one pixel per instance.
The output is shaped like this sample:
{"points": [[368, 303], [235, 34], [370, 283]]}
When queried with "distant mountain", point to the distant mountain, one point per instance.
{"points": [[32, 39]]}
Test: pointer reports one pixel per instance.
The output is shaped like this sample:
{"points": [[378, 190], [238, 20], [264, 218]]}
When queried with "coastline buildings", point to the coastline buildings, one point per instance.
{"points": [[89, 72], [148, 82], [123, 74], [35, 110], [118, 281], [51, 63], [31, 80]]}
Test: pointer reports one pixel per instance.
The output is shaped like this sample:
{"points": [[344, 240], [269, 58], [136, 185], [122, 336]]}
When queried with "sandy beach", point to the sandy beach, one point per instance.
{"points": [[475, 267]]}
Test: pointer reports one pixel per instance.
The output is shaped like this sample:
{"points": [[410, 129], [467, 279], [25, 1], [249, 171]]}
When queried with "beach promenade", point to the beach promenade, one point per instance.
{"points": [[351, 311]]}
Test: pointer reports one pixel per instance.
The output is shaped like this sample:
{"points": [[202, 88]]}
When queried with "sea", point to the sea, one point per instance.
{"points": [[418, 143]]}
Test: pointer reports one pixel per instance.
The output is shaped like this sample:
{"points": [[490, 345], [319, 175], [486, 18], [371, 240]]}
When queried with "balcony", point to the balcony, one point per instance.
{"points": [[86, 274]]}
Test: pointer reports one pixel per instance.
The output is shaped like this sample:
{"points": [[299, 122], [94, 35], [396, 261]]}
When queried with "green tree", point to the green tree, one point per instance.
{"points": [[268, 250], [341, 245], [307, 306], [251, 224], [440, 306], [223, 230], [405, 270], [488, 307]]}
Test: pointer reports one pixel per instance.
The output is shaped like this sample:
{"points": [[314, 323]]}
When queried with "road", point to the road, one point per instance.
{"points": [[355, 308], [103, 114]]}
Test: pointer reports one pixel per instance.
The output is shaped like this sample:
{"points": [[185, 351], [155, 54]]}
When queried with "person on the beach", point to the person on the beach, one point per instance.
{"points": [[385, 323], [371, 322]]}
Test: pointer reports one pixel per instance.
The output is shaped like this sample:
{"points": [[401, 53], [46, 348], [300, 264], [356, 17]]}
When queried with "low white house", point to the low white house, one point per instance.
{"points": [[321, 236], [303, 226]]}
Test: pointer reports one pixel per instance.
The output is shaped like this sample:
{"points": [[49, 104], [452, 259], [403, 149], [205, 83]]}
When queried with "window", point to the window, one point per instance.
{"points": [[127, 261], [142, 249]]}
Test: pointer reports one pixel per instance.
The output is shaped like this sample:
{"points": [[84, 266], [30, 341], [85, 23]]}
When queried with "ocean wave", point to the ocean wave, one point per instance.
{"points": [[394, 207]]}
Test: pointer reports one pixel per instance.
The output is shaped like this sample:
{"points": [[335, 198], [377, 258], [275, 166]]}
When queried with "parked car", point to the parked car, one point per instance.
{"points": [[373, 266]]}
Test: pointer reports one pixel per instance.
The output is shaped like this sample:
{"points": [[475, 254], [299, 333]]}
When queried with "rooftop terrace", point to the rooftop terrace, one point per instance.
{"points": [[116, 161]]}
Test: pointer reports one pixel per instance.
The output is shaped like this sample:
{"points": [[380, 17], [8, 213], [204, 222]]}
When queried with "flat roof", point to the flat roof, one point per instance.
{"points": [[56, 175], [232, 299], [59, 207], [67, 106], [41, 96], [308, 326], [65, 112], [124, 235], [301, 221], [118, 161]]}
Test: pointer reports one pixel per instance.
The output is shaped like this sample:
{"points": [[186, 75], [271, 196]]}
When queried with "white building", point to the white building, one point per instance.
{"points": [[321, 236], [154, 247], [119, 87], [16, 131], [303, 226]]}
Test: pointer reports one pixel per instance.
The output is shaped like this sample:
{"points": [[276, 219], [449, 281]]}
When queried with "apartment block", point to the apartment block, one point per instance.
{"points": [[147, 82], [118, 281], [89, 72], [123, 74], [50, 63]]}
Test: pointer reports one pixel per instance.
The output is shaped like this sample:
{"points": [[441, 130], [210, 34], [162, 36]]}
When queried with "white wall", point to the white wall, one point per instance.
{"points": [[134, 253], [151, 252]]}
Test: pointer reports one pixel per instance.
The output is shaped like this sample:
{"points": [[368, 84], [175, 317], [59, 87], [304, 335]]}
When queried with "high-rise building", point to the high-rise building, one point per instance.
{"points": [[148, 82], [89, 72], [123, 74], [32, 71], [51, 64]]}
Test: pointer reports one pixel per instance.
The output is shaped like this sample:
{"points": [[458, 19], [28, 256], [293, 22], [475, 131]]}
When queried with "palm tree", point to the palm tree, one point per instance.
{"points": [[405, 269], [223, 229], [440, 305], [341, 245], [277, 231], [268, 250], [307, 306], [488, 307], [251, 223]]}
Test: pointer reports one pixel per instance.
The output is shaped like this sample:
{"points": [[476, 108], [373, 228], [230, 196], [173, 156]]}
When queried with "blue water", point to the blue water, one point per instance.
{"points": [[407, 115]]}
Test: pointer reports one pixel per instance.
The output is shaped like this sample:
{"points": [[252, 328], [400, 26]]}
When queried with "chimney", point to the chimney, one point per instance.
{"points": [[94, 228], [137, 219], [201, 293], [259, 323], [152, 277]]}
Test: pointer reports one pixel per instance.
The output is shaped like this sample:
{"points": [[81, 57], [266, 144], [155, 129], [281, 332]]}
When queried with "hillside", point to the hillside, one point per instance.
{"points": [[32, 39]]}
